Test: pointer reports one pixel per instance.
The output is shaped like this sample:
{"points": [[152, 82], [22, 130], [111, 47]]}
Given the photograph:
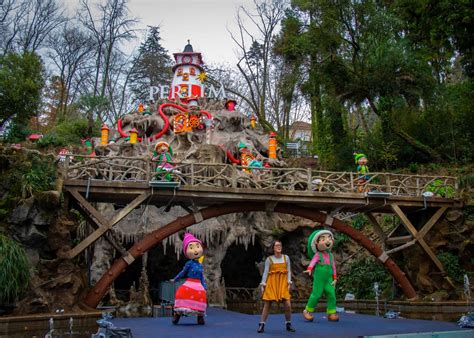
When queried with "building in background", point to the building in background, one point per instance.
{"points": [[300, 139]]}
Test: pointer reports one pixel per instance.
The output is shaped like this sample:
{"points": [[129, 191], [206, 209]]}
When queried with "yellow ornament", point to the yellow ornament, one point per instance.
{"points": [[202, 77]]}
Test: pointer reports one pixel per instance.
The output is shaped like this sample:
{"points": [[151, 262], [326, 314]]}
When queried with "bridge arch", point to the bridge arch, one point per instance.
{"points": [[99, 290]]}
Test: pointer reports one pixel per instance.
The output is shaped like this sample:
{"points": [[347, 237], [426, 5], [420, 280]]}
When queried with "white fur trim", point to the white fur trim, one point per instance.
{"points": [[315, 239]]}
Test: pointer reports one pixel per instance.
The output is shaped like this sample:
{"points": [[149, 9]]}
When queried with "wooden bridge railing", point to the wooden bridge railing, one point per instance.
{"points": [[233, 176]]}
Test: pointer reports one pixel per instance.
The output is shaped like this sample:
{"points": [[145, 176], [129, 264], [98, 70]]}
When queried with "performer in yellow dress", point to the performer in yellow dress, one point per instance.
{"points": [[275, 285]]}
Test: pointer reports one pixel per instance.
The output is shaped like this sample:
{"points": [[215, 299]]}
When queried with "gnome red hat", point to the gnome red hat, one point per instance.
{"points": [[189, 238]]}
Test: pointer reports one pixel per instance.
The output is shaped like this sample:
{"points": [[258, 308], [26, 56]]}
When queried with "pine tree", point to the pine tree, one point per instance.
{"points": [[151, 67]]}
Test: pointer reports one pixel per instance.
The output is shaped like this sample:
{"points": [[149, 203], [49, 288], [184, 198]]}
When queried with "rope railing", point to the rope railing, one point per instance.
{"points": [[234, 176]]}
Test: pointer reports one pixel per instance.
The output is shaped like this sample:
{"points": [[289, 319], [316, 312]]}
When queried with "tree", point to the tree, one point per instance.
{"points": [[93, 107], [21, 81], [27, 23], [112, 27], [288, 47], [255, 60], [69, 51], [151, 66], [358, 57]]}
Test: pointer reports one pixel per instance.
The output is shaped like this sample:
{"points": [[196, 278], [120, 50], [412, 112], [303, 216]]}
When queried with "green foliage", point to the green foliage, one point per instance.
{"points": [[17, 133], [21, 81], [452, 266], [439, 188], [359, 221], [14, 276], [339, 239], [405, 69], [68, 132], [413, 167], [36, 174], [360, 278]]}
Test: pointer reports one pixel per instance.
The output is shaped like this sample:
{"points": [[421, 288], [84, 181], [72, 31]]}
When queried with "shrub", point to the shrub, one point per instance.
{"points": [[14, 276], [36, 174], [452, 266], [68, 132], [51, 139], [359, 221], [439, 188], [360, 279]]}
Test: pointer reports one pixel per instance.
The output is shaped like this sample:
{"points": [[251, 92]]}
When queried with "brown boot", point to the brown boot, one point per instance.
{"points": [[333, 317], [176, 317], [308, 316]]}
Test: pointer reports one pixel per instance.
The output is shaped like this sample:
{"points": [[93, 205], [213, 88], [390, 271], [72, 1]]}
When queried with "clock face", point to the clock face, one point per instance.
{"points": [[187, 59]]}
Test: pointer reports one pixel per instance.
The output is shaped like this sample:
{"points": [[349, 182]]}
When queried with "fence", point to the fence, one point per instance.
{"points": [[233, 176]]}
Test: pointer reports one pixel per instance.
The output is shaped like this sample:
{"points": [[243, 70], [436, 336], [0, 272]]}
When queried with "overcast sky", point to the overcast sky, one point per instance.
{"points": [[204, 22]]}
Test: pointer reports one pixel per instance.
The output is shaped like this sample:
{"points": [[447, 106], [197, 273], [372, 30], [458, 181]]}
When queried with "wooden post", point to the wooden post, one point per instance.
{"points": [[192, 174], [416, 235], [377, 228], [310, 180], [351, 175], [388, 183], [234, 175], [148, 169], [102, 224]]}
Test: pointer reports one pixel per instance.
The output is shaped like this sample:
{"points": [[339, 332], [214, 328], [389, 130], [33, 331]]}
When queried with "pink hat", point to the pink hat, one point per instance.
{"points": [[189, 238]]}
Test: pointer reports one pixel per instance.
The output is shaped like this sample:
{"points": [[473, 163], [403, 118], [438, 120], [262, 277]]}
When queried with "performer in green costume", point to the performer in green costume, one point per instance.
{"points": [[320, 243]]}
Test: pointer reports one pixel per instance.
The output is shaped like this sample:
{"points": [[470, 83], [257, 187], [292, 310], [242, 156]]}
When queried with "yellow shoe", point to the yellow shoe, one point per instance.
{"points": [[308, 316]]}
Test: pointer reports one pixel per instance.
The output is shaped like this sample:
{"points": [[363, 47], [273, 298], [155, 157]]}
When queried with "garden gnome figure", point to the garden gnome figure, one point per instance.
{"points": [[190, 298], [323, 269]]}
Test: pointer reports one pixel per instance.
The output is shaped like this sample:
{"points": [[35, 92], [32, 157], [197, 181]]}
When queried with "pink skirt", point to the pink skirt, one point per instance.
{"points": [[191, 298]]}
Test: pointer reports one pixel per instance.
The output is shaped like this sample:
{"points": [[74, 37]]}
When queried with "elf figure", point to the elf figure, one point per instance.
{"points": [[190, 298], [88, 145], [362, 169], [246, 156], [162, 155], [323, 269]]}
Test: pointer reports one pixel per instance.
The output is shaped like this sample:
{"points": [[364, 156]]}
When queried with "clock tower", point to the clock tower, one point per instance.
{"points": [[188, 75]]}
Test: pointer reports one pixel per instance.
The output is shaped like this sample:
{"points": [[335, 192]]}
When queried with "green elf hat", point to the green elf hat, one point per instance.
{"points": [[358, 156], [313, 239], [242, 145]]}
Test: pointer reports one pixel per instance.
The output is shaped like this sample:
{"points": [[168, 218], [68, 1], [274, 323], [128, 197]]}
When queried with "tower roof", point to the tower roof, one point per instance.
{"points": [[188, 48]]}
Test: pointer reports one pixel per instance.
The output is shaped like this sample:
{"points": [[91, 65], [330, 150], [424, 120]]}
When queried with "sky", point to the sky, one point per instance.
{"points": [[203, 22]]}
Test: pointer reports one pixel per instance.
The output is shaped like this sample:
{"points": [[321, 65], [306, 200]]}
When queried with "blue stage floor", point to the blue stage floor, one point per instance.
{"points": [[221, 323]]}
